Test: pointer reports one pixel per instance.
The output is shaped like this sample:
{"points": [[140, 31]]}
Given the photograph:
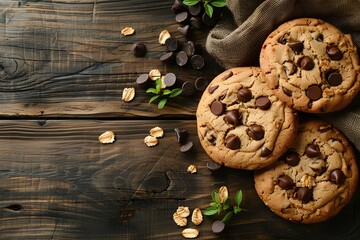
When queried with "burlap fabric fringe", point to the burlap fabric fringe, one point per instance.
{"points": [[237, 39]]}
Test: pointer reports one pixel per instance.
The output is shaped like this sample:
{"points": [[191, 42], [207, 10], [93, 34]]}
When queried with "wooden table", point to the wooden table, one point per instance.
{"points": [[63, 66]]}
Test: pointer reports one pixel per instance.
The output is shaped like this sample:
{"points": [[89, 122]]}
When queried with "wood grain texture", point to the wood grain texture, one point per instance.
{"points": [[68, 59], [58, 182]]}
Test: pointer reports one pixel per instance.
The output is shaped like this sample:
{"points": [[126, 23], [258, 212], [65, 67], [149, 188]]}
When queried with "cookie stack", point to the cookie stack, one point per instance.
{"points": [[248, 119]]}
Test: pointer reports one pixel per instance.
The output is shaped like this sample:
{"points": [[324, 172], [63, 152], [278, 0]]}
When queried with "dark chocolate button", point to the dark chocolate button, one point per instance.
{"points": [[334, 53], [334, 79], [264, 152], [201, 84], [195, 10], [217, 108], [287, 91], [212, 88], [169, 79], [188, 88], [296, 46], [184, 30], [304, 194], [233, 117], [186, 147], [227, 75], [172, 44], [197, 62], [213, 166], [263, 103], [209, 21], [285, 182], [292, 158], [181, 58], [167, 56], [256, 132], [314, 92], [142, 79], [232, 142], [282, 39], [181, 135], [195, 23], [182, 17], [307, 63], [178, 7], [138, 49], [337, 176], [312, 151], [218, 226], [189, 48], [244, 95]]}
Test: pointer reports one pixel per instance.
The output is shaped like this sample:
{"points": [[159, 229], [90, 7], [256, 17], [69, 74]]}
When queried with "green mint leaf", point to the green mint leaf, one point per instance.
{"points": [[175, 92], [153, 98], [216, 197], [213, 204], [226, 207], [151, 90], [158, 85], [236, 209], [227, 217], [190, 2], [218, 3], [166, 92], [162, 103], [238, 198], [210, 211], [209, 9]]}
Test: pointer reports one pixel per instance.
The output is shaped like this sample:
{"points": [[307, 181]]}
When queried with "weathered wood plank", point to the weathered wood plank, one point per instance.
{"points": [[68, 58], [58, 182]]}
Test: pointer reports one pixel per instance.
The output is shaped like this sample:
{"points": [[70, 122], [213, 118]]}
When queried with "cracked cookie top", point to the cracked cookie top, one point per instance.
{"points": [[314, 179], [311, 65], [241, 123]]}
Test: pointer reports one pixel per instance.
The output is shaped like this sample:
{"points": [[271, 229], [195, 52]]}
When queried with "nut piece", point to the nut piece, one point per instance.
{"points": [[157, 132], [190, 233], [183, 211], [181, 221], [307, 181], [163, 36], [197, 216], [151, 141], [127, 31], [192, 169], [154, 74], [128, 94], [223, 194], [107, 137]]}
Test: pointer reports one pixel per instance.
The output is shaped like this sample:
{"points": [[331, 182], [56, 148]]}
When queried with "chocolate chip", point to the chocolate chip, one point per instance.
{"points": [[186, 147], [233, 117], [307, 63], [304, 194], [167, 56], [314, 92], [218, 226], [292, 158], [197, 62], [172, 44], [178, 7], [264, 152], [212, 88], [287, 91], [232, 142], [201, 84], [337, 176], [227, 75], [181, 135], [285, 182], [182, 17], [181, 58], [195, 22], [282, 40], [263, 103], [184, 30], [142, 79], [213, 166], [209, 21], [256, 132], [334, 53], [296, 46], [334, 78], [138, 49], [195, 10], [320, 38], [188, 88], [169, 79], [312, 151], [217, 108], [244, 95], [189, 48]]}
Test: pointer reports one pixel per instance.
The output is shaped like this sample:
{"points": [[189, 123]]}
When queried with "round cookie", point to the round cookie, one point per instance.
{"points": [[241, 123], [314, 179], [311, 65]]}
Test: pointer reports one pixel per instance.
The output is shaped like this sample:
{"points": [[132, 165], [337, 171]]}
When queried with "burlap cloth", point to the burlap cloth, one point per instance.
{"points": [[237, 39]]}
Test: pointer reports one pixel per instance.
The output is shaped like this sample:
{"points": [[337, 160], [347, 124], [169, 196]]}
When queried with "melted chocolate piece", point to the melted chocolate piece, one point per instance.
{"points": [[337, 176], [232, 142], [292, 158], [334, 78], [227, 75], [256, 132], [312, 151], [334, 53], [233, 117], [217, 108], [263, 103], [287, 91], [304, 194], [314, 92], [285, 182], [296, 46], [264, 152], [244, 95], [212, 88], [306, 63]]}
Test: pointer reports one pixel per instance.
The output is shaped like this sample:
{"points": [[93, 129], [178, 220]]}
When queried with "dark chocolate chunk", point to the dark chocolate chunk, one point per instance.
{"points": [[172, 44], [285, 182], [334, 53], [181, 135], [142, 79], [307, 63], [167, 56], [232, 142], [197, 62], [213, 166], [292, 158], [178, 6], [314, 92], [218, 226], [169, 79], [244, 95], [227, 75], [256, 132], [337, 176], [264, 151], [212, 88], [334, 78], [138, 49], [189, 48], [233, 117], [186, 147], [184, 30], [263, 103], [201, 84], [282, 39], [182, 17], [188, 88], [181, 58], [312, 151], [195, 10], [217, 108], [296, 46], [287, 91], [195, 23], [320, 38], [304, 194]]}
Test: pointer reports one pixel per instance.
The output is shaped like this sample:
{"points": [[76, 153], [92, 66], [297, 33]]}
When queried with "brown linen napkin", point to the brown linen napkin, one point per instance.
{"points": [[237, 39]]}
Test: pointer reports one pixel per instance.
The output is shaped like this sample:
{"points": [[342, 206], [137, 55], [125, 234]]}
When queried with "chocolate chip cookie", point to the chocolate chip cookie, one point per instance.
{"points": [[314, 179], [241, 123], [311, 65]]}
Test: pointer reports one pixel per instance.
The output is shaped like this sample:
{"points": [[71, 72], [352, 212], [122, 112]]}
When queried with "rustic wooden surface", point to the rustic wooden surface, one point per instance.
{"points": [[63, 65]]}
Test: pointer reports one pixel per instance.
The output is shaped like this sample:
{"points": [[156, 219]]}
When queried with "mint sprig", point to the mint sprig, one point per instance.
{"points": [[208, 5], [162, 94]]}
